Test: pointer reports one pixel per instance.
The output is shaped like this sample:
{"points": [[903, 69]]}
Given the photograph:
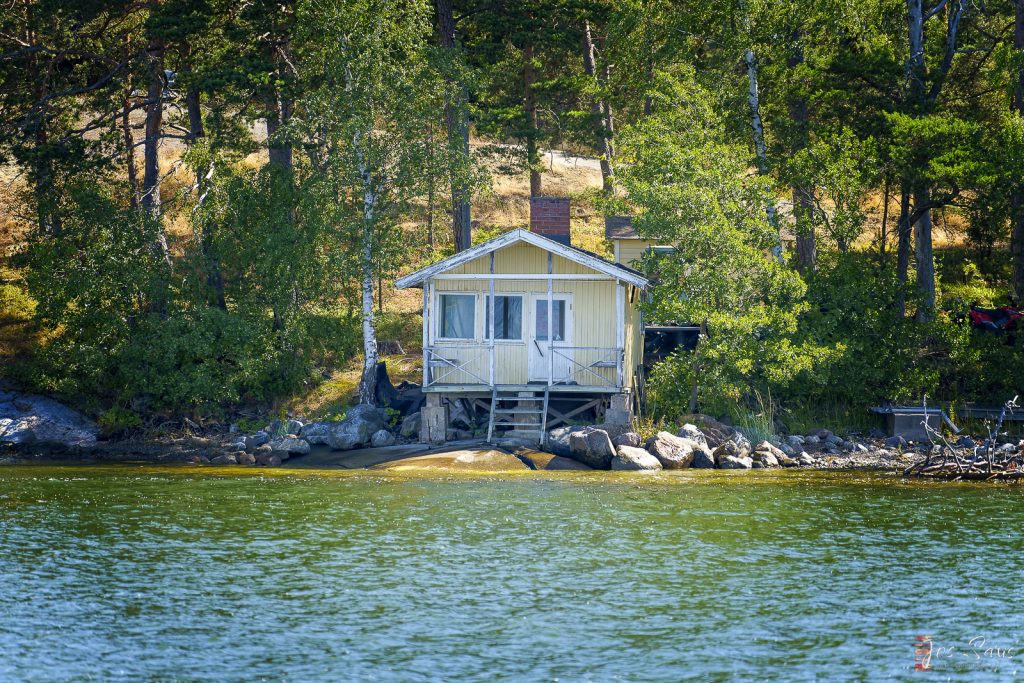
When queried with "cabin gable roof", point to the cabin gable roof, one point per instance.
{"points": [[574, 254]]}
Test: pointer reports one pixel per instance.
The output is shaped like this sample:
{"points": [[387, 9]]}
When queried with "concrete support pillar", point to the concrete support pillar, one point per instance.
{"points": [[434, 422], [620, 412]]}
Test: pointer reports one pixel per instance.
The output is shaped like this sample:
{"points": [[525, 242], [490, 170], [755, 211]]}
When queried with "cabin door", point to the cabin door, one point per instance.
{"points": [[542, 358]]}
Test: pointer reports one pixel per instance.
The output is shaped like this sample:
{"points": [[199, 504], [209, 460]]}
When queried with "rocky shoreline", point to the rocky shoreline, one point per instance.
{"points": [[38, 429]]}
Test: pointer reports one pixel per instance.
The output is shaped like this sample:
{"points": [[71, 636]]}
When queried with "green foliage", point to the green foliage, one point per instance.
{"points": [[117, 420], [690, 190]]}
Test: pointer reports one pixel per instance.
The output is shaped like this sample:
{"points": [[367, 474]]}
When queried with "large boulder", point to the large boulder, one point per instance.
{"points": [[631, 439], [411, 425], [288, 446], [691, 431], [316, 433], [732, 455], [38, 421], [765, 459], [632, 459], [558, 440], [714, 432], [254, 441], [673, 452], [382, 438], [358, 427], [592, 447], [735, 462], [226, 459], [702, 459]]}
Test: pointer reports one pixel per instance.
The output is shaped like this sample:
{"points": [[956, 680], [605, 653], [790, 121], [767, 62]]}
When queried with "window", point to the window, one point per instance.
{"points": [[558, 305], [508, 317], [457, 319]]}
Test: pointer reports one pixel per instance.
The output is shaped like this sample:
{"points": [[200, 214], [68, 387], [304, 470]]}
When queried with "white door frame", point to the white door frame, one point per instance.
{"points": [[537, 358]]}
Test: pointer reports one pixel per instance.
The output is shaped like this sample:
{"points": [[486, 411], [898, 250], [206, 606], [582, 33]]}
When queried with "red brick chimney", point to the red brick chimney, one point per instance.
{"points": [[549, 216]]}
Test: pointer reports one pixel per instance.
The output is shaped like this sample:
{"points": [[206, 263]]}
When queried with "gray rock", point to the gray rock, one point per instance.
{"points": [[289, 445], [742, 443], [226, 459], [805, 459], [812, 439], [768, 447], [787, 461], [629, 458], [613, 429], [382, 438], [411, 425], [834, 440], [702, 459], [265, 449], [592, 447], [673, 452], [28, 419], [691, 431], [558, 440], [965, 442], [735, 462], [316, 433], [822, 434], [631, 439], [268, 459], [1008, 448], [294, 427], [896, 442], [358, 427], [240, 445], [767, 455], [244, 458], [795, 440], [254, 441], [729, 449], [788, 449]]}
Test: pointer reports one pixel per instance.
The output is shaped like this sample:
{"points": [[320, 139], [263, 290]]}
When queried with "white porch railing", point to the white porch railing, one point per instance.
{"points": [[457, 364], [598, 366], [580, 366]]}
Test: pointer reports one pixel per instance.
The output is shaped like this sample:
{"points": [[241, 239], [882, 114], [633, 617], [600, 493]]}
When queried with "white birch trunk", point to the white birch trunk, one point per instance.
{"points": [[368, 381], [754, 100]]}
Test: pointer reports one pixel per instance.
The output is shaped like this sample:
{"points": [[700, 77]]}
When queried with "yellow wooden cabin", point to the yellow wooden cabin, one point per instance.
{"points": [[627, 245], [525, 324]]}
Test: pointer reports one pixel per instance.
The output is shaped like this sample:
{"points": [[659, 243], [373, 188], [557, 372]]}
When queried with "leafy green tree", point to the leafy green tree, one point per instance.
{"points": [[688, 186]]}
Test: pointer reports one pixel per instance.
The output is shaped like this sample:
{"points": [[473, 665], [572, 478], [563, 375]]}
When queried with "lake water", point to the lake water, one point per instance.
{"points": [[153, 574]]}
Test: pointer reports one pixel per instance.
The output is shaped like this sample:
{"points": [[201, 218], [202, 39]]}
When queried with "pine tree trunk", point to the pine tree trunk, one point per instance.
{"points": [[903, 229], [278, 115], [151, 149], [456, 121], [1017, 195], [924, 257], [128, 138], [530, 108], [756, 124], [600, 110], [803, 197], [196, 131]]}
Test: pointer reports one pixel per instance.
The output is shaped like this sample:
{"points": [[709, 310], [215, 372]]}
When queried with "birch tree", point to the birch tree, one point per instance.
{"points": [[372, 94]]}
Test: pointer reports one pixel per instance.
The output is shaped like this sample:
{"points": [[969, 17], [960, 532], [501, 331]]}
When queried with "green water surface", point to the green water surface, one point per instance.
{"points": [[135, 573]]}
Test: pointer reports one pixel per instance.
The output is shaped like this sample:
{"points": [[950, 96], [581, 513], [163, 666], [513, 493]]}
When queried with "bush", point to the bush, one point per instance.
{"points": [[118, 420]]}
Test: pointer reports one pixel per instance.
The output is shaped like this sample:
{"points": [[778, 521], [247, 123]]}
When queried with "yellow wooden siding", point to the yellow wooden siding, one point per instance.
{"points": [[594, 317], [520, 258], [631, 250]]}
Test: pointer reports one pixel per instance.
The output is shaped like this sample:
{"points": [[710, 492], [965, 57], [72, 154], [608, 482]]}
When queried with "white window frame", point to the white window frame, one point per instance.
{"points": [[522, 318], [437, 313]]}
